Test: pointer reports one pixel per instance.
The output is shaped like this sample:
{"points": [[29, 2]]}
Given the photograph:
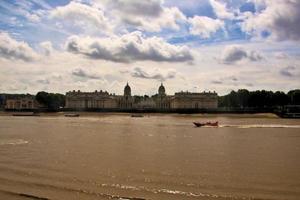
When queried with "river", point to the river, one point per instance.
{"points": [[157, 157]]}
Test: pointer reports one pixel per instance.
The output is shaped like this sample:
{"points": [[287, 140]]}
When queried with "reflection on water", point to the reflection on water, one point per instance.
{"points": [[104, 156], [12, 142]]}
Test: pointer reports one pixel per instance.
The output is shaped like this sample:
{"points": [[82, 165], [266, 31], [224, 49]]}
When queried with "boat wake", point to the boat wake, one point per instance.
{"points": [[260, 126]]}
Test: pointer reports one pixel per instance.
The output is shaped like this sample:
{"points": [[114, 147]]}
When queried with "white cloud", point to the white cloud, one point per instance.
{"points": [[58, 68], [43, 81], [15, 50], [205, 26], [137, 7], [167, 19], [82, 73], [280, 18], [81, 14], [152, 73], [281, 55], [32, 17], [155, 59], [21, 8], [235, 53], [46, 47], [107, 15], [220, 10], [128, 48], [289, 71], [148, 15]]}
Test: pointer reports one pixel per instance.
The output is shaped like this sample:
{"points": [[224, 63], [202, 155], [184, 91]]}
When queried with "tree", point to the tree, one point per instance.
{"points": [[42, 98], [243, 97], [294, 97], [53, 101], [259, 99], [280, 99]]}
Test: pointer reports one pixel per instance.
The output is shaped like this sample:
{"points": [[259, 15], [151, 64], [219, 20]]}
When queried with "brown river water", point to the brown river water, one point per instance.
{"points": [[158, 157]]}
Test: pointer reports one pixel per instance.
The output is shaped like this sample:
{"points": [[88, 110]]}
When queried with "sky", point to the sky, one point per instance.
{"points": [[190, 45]]}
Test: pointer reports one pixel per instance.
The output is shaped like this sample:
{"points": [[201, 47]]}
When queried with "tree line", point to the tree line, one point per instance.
{"points": [[243, 98]]}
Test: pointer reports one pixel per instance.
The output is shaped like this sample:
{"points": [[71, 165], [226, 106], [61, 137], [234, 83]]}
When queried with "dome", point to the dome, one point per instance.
{"points": [[161, 90], [127, 90]]}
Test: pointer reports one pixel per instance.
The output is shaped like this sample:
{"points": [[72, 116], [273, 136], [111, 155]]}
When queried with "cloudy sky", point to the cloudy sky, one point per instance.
{"points": [[194, 45]]}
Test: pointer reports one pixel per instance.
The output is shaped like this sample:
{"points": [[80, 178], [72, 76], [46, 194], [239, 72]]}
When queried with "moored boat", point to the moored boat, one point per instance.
{"points": [[198, 124], [137, 115], [25, 114], [72, 115], [213, 124]]}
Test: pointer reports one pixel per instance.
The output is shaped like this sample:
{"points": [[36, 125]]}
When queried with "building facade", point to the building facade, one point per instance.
{"points": [[126, 101], [27, 102], [188, 100], [161, 101], [91, 100]]}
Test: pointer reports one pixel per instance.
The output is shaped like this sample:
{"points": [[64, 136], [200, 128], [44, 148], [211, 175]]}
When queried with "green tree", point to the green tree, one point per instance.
{"points": [[280, 99], [53, 101], [294, 97], [243, 97]]}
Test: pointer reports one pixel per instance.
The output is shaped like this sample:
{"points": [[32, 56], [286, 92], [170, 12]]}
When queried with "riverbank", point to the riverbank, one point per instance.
{"points": [[91, 114], [283, 113]]}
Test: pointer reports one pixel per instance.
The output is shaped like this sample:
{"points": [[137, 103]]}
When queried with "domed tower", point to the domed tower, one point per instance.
{"points": [[161, 90], [127, 90]]}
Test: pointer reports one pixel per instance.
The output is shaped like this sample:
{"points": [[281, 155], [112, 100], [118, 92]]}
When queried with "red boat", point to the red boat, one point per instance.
{"points": [[212, 123], [199, 124]]}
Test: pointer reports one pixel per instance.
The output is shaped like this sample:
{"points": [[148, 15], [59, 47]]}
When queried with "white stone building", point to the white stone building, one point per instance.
{"points": [[161, 101]]}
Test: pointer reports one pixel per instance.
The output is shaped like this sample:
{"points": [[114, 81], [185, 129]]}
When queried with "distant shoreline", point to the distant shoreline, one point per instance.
{"points": [[150, 110], [219, 111], [90, 114]]}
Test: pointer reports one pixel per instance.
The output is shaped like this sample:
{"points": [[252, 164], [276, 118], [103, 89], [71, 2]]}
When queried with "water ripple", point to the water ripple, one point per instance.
{"points": [[13, 142]]}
